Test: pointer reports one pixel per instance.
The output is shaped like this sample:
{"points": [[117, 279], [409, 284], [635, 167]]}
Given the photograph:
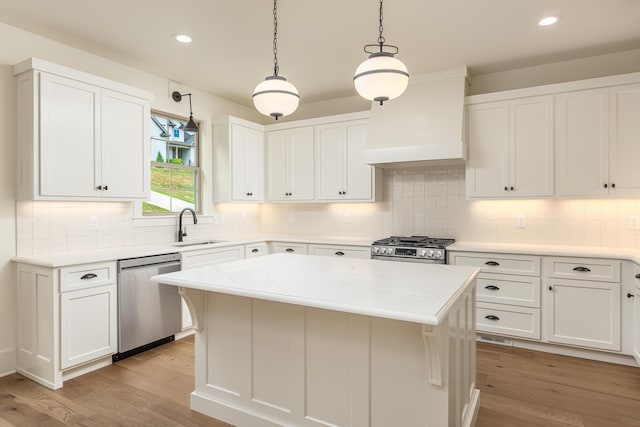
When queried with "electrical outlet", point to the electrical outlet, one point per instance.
{"points": [[93, 223], [521, 221], [633, 222]]}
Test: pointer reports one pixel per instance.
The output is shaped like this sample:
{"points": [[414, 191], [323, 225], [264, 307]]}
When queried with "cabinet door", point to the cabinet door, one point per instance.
{"points": [[582, 138], [329, 162], [636, 323], [124, 146], [583, 313], [88, 327], [625, 140], [300, 163], [359, 175], [531, 147], [488, 139], [247, 163], [69, 137], [276, 158]]}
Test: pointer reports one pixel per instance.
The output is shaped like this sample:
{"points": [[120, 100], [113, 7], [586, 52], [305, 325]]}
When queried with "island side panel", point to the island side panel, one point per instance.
{"points": [[265, 363]]}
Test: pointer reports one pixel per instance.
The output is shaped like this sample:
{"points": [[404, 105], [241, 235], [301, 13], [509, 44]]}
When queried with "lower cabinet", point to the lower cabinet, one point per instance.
{"points": [[636, 316], [67, 320], [256, 249], [288, 247], [340, 251], [202, 257]]}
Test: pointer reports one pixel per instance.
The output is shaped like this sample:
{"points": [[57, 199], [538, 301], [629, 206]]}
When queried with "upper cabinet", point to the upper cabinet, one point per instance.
{"points": [[510, 148], [79, 137], [290, 164], [341, 173], [238, 161], [598, 133]]}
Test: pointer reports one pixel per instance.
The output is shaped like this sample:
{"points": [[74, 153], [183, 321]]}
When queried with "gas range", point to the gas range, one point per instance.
{"points": [[413, 248]]}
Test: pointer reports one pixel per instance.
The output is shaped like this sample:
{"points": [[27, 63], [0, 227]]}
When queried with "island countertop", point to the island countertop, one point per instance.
{"points": [[413, 292]]}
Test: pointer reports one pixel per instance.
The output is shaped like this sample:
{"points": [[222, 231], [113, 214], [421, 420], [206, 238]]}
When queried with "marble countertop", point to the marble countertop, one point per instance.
{"points": [[413, 292]]}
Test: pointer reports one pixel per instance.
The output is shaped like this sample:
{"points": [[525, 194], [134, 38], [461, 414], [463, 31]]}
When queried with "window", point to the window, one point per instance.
{"points": [[175, 166]]}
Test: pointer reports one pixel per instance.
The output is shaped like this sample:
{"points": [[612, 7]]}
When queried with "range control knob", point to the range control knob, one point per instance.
{"points": [[422, 253], [383, 250], [390, 251], [438, 254], [431, 253], [375, 250]]}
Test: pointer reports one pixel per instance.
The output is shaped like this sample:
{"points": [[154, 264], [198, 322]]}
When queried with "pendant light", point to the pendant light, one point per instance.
{"points": [[191, 125], [382, 76], [275, 96]]}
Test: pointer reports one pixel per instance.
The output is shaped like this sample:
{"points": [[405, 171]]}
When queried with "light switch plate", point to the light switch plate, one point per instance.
{"points": [[521, 221], [633, 222]]}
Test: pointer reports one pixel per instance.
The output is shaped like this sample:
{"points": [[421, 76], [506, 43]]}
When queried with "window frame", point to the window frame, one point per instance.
{"points": [[198, 168]]}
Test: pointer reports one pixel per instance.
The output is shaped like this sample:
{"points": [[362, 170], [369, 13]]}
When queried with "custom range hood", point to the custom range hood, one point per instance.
{"points": [[423, 126]]}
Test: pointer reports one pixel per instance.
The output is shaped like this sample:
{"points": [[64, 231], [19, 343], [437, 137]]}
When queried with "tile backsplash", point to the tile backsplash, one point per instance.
{"points": [[428, 201]]}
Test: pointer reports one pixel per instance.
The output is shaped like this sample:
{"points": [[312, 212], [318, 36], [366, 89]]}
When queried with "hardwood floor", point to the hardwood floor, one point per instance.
{"points": [[518, 388]]}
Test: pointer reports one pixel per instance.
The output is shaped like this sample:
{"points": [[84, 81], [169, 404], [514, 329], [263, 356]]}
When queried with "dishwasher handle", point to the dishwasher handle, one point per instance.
{"points": [[142, 262]]}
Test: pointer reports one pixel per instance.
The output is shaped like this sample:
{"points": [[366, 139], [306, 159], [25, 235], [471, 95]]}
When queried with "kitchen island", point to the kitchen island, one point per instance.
{"points": [[314, 341]]}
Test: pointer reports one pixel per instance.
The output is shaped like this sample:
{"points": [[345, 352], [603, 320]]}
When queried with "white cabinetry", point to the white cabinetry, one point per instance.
{"points": [[79, 137], [636, 316], [597, 137], [583, 302], [67, 320], [288, 247], [238, 160], [510, 148], [256, 249], [343, 251], [290, 164], [341, 173], [508, 292]]}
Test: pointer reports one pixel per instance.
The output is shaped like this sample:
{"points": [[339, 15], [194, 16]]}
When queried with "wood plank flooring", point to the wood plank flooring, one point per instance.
{"points": [[518, 388]]}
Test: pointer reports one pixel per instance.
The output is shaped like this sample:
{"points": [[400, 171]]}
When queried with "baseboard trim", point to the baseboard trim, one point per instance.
{"points": [[7, 362]]}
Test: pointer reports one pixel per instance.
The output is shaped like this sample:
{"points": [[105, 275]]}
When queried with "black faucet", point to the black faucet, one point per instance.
{"points": [[181, 233]]}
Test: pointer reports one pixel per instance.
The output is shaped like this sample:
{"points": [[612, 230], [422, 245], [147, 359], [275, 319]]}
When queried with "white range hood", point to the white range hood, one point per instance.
{"points": [[424, 125]]}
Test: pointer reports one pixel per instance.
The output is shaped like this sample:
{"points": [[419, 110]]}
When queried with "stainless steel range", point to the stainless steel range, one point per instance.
{"points": [[414, 249]]}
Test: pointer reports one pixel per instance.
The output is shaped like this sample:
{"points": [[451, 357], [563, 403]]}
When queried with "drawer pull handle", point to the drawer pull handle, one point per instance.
{"points": [[89, 276], [494, 263], [492, 287], [255, 250], [584, 269], [339, 253], [491, 317], [289, 250]]}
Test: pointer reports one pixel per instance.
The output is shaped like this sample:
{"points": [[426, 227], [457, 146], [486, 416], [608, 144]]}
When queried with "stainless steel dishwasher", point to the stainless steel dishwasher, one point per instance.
{"points": [[149, 314]]}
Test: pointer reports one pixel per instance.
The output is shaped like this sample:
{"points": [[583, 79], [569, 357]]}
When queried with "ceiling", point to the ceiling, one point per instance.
{"points": [[320, 42]]}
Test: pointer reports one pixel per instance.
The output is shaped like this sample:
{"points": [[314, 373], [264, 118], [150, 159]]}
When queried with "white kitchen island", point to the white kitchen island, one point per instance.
{"points": [[302, 340]]}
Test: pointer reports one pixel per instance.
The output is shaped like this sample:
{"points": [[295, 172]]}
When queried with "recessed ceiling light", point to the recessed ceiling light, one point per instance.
{"points": [[182, 38], [549, 20]]}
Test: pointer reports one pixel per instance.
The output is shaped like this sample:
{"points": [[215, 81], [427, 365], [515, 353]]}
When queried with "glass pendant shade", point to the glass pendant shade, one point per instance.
{"points": [[276, 97], [381, 77]]}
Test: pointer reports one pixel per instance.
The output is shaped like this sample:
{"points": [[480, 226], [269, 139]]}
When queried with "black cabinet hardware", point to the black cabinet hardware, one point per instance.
{"points": [[89, 276], [493, 263], [289, 250], [613, 185], [492, 287], [339, 253], [255, 250], [491, 317], [506, 188], [550, 288], [630, 295], [511, 188], [582, 269], [638, 276], [606, 185]]}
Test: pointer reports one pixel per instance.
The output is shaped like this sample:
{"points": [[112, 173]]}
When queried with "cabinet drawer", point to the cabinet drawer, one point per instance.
{"points": [[341, 251], [507, 320], [290, 248], [509, 289], [256, 249], [605, 270], [200, 258], [87, 276], [498, 263]]}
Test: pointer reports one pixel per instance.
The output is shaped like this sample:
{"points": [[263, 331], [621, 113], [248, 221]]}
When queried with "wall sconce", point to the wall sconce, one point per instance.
{"points": [[191, 126]]}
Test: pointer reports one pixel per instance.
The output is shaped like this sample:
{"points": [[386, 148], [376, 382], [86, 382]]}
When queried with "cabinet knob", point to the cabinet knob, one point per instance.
{"points": [[606, 185], [638, 276], [492, 263], [630, 295], [492, 287], [106, 187], [550, 288], [582, 269], [491, 317], [99, 187], [506, 188], [511, 188], [613, 185]]}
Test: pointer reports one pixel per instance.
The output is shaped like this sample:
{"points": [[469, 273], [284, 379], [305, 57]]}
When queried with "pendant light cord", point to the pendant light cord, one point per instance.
{"points": [[380, 28], [275, 37]]}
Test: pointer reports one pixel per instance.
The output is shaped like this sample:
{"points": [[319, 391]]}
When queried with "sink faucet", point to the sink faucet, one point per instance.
{"points": [[182, 233]]}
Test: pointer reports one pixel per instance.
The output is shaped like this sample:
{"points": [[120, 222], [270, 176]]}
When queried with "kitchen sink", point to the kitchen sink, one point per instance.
{"points": [[202, 243]]}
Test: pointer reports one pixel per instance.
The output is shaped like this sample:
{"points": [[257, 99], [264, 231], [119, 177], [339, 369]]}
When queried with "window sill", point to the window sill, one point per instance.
{"points": [[172, 220]]}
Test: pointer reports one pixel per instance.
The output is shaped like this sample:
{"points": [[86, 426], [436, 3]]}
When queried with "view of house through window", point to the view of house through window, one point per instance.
{"points": [[175, 168]]}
